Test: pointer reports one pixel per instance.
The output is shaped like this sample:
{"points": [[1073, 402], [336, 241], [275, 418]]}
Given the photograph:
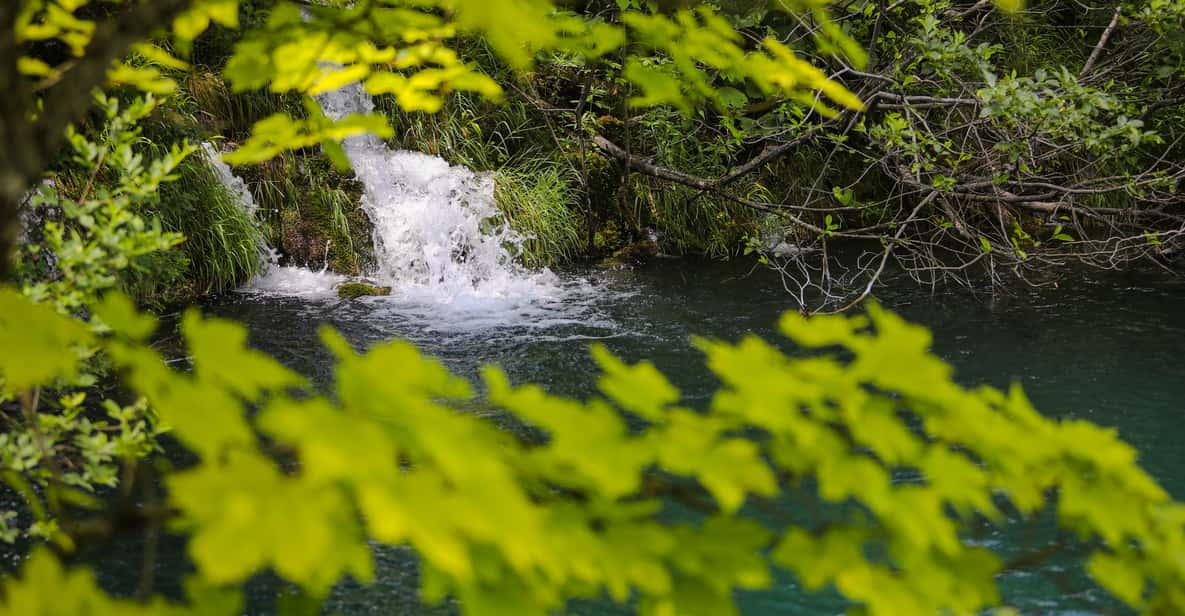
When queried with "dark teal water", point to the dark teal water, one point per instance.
{"points": [[1100, 346]]}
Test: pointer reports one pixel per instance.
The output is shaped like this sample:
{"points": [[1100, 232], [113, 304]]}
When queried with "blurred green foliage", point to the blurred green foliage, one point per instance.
{"points": [[507, 526]]}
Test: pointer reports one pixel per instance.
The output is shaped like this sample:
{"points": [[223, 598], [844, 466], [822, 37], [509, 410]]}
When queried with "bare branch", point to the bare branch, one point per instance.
{"points": [[1098, 48]]}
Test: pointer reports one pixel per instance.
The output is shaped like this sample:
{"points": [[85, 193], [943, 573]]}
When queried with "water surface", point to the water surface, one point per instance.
{"points": [[1100, 346]]}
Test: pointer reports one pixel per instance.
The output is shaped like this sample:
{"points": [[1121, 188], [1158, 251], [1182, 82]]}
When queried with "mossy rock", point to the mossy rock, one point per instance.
{"points": [[354, 290], [320, 221], [635, 254]]}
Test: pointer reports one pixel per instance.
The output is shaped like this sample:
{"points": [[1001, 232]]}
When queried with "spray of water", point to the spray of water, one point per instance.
{"points": [[292, 281], [438, 236]]}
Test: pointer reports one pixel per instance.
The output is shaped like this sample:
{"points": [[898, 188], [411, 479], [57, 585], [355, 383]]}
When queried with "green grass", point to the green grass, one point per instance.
{"points": [[221, 243], [334, 207], [539, 202], [158, 279], [304, 203], [231, 114], [274, 185], [472, 132]]}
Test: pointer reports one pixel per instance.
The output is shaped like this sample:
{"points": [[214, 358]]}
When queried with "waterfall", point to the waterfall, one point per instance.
{"points": [[440, 243], [438, 236], [233, 183]]}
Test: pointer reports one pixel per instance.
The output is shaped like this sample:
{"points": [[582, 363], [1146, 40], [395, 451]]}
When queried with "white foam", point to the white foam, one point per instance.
{"points": [[286, 281]]}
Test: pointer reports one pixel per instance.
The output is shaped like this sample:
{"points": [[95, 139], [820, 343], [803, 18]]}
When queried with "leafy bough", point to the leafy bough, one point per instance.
{"points": [[507, 526]]}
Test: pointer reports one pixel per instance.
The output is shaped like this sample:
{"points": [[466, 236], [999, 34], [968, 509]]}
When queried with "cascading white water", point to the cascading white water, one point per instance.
{"points": [[438, 236], [229, 180], [292, 281]]}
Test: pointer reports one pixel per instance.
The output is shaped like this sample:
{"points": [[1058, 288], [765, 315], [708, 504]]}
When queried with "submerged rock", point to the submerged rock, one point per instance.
{"points": [[788, 250], [354, 290], [637, 253]]}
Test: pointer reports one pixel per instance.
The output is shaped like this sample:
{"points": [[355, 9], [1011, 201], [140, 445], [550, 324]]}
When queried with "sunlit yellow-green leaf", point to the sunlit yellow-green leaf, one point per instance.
{"points": [[195, 21], [220, 355], [245, 515], [1121, 577], [156, 55], [118, 313], [33, 67], [145, 78], [46, 588], [332, 445], [37, 342], [640, 388]]}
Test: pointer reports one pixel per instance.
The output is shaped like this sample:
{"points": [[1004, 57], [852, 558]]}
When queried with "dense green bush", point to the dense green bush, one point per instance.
{"points": [[540, 202]]}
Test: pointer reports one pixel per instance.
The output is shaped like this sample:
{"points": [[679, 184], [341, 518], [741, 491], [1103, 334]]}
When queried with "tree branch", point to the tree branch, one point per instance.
{"points": [[1098, 48], [649, 168]]}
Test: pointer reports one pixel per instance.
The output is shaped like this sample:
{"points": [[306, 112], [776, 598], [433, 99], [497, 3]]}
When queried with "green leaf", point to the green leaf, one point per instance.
{"points": [[281, 132], [816, 560], [206, 418], [1120, 576], [45, 588], [732, 98], [117, 312], [822, 330], [33, 67], [158, 56], [355, 448], [336, 154], [245, 515], [45, 340], [220, 356], [640, 388], [192, 23], [658, 86]]}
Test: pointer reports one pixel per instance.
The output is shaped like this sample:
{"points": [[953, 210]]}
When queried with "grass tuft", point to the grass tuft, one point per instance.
{"points": [[537, 199], [222, 243]]}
